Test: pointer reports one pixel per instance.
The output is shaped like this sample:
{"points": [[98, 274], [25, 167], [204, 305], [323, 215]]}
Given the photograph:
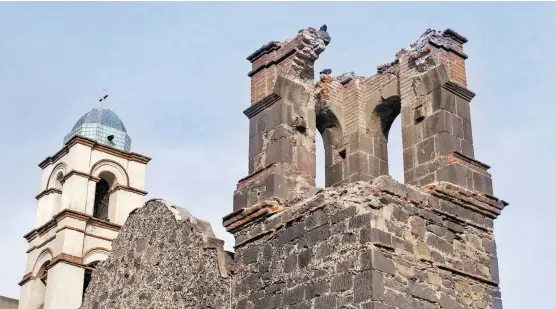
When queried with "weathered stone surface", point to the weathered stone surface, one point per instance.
{"points": [[164, 258], [378, 244], [8, 303]]}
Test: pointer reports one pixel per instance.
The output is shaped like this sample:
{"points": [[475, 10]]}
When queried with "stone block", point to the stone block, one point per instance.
{"points": [[359, 141], [422, 291], [316, 219], [436, 123], [462, 108], [425, 151], [454, 173], [359, 177], [250, 255], [341, 282], [291, 91], [375, 236], [306, 161], [380, 148], [376, 260], [467, 149], [376, 305], [358, 163], [446, 143], [368, 285], [304, 258], [278, 186], [293, 295], [334, 174], [443, 100], [255, 145], [482, 183], [467, 133], [257, 124], [408, 158], [326, 302], [360, 221], [277, 114], [315, 289], [279, 151], [439, 243], [240, 199]]}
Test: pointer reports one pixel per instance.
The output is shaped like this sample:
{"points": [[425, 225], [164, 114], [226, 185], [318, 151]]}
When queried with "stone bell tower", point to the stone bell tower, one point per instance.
{"points": [[88, 189]]}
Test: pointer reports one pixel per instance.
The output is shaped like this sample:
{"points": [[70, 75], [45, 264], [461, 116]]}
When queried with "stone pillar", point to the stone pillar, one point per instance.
{"points": [[65, 286], [75, 191], [436, 122], [281, 120]]}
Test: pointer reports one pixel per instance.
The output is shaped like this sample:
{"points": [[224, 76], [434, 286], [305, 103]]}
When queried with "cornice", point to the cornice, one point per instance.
{"points": [[77, 139]]}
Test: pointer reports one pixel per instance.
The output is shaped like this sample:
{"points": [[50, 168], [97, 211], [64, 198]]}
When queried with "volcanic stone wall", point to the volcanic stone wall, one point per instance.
{"points": [[163, 258], [365, 245]]}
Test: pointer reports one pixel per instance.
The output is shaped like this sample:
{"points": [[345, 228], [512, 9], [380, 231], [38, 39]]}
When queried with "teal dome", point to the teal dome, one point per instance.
{"points": [[103, 126]]}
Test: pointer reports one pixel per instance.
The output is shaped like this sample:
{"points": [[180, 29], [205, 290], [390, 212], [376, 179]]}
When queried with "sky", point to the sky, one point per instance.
{"points": [[177, 76]]}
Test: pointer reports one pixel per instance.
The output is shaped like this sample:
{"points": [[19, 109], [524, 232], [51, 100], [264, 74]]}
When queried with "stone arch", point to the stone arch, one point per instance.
{"points": [[97, 254], [45, 256], [328, 123], [382, 110], [112, 167], [54, 180]]}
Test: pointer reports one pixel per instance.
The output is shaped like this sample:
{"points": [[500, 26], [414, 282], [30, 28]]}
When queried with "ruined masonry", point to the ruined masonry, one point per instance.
{"points": [[163, 258], [365, 241]]}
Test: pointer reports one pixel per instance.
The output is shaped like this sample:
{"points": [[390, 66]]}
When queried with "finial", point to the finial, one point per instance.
{"points": [[103, 98]]}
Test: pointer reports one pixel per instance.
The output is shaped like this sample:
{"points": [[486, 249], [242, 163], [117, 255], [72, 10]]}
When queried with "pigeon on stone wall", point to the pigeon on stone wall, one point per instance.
{"points": [[323, 34], [326, 72]]}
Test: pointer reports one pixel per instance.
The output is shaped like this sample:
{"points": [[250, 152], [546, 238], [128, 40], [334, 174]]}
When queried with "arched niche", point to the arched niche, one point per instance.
{"points": [[56, 177], [382, 110], [330, 128], [112, 169]]}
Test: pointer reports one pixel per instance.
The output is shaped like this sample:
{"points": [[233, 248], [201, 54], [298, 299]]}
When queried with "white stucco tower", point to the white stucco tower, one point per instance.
{"points": [[88, 189]]}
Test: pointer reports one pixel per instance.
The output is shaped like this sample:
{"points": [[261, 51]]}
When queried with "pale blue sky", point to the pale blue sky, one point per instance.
{"points": [[176, 74]]}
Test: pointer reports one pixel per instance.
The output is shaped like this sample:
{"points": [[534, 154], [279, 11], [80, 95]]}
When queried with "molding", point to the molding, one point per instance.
{"points": [[455, 36], [99, 237], [27, 277], [449, 49], [68, 213], [104, 224], [41, 244], [77, 139], [105, 250], [108, 162], [265, 49], [459, 90], [470, 160], [128, 189], [261, 105], [271, 62], [78, 173], [47, 192], [68, 259], [59, 167]]}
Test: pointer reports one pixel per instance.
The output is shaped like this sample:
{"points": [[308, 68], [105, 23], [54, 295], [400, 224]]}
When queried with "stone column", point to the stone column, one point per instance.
{"points": [[65, 286], [281, 120], [436, 122]]}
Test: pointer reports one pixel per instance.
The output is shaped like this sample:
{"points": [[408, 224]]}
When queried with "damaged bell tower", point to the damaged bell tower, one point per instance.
{"points": [[366, 241]]}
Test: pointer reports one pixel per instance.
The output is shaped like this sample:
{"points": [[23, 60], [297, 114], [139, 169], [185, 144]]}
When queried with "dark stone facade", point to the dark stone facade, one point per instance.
{"points": [[163, 258], [378, 244]]}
